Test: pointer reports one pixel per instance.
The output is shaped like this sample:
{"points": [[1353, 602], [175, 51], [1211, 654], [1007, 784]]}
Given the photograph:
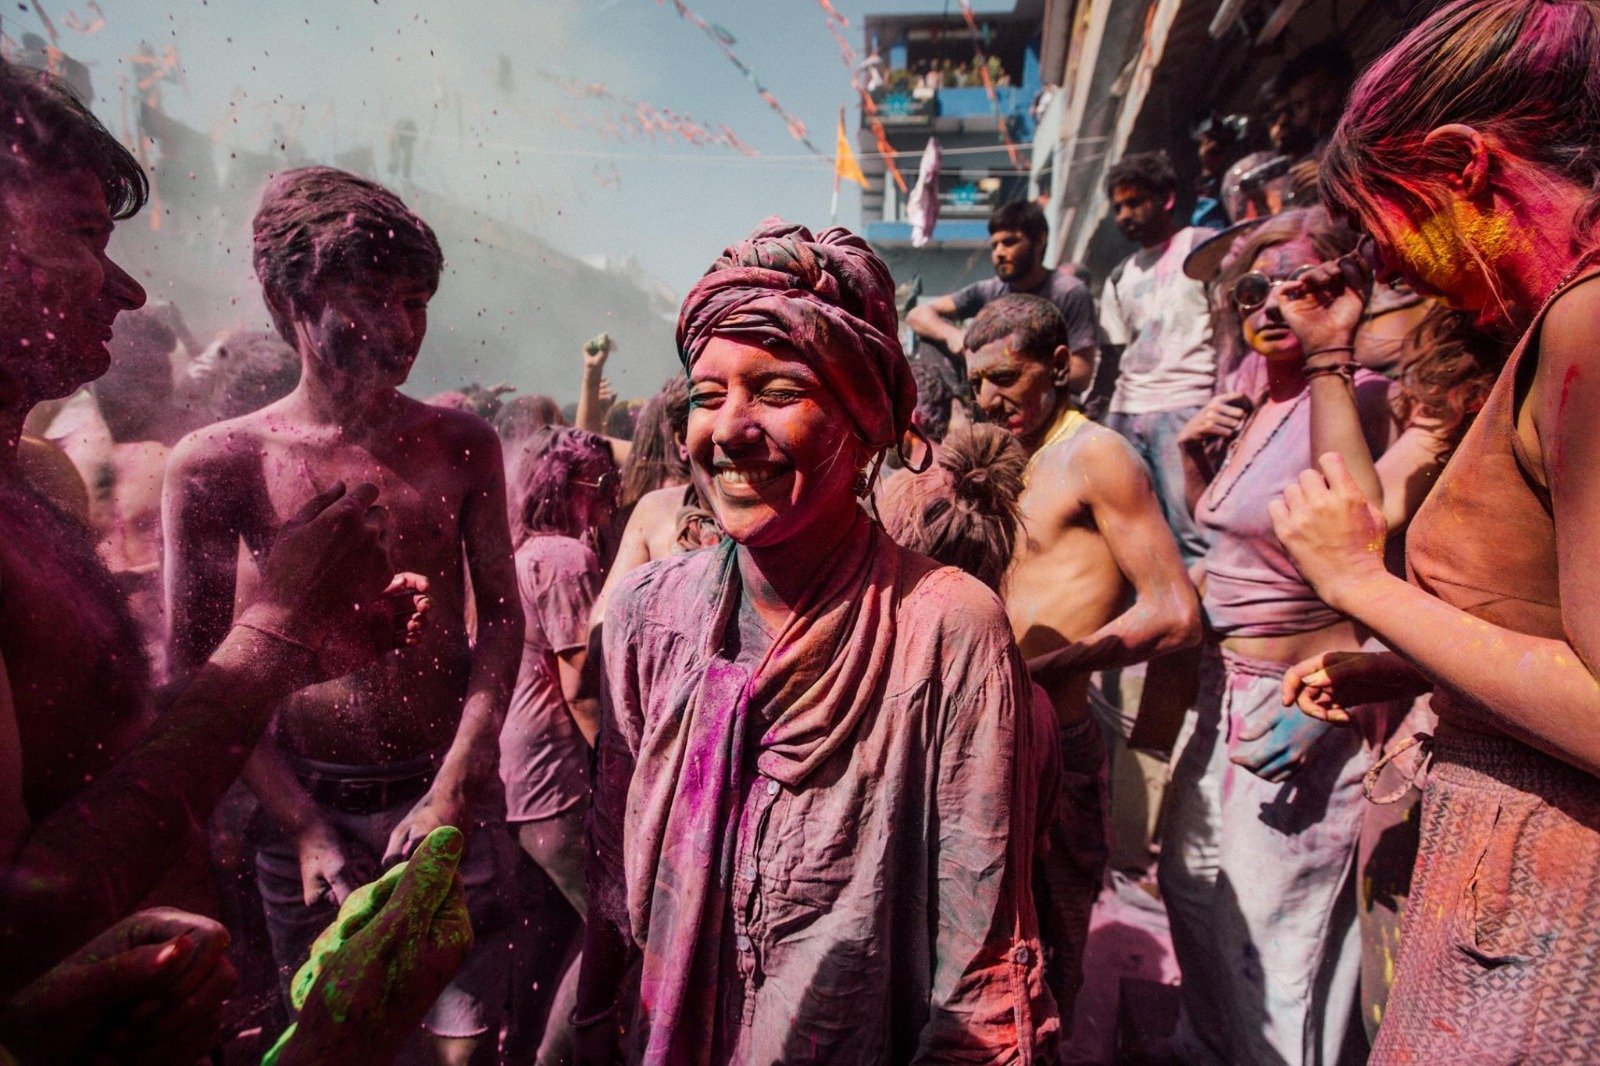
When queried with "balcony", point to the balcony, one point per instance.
{"points": [[951, 233]]}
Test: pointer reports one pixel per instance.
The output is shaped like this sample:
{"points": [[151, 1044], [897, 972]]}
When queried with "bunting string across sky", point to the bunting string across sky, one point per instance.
{"points": [[724, 42]]}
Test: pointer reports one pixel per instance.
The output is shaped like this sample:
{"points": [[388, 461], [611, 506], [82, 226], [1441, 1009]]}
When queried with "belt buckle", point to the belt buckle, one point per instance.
{"points": [[364, 797]]}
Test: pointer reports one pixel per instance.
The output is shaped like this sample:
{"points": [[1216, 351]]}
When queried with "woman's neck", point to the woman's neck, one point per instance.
{"points": [[777, 577], [1531, 269], [1286, 379]]}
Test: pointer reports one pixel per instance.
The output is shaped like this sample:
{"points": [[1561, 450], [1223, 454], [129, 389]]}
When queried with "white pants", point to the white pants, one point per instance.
{"points": [[1259, 883]]}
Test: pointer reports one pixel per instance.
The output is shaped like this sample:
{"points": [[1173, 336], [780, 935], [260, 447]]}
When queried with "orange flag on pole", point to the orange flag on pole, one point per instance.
{"points": [[845, 165]]}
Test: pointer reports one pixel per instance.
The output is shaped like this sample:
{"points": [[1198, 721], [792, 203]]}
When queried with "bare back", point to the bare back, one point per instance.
{"points": [[241, 479]]}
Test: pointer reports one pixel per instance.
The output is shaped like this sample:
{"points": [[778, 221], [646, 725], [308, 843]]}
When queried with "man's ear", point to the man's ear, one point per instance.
{"points": [[1060, 365], [682, 446], [1466, 154]]}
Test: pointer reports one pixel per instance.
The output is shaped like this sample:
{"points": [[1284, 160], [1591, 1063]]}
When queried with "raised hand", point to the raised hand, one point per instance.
{"points": [[1325, 304], [595, 352]]}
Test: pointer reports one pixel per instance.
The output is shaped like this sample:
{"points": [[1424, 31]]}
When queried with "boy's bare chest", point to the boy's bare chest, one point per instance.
{"points": [[421, 489]]}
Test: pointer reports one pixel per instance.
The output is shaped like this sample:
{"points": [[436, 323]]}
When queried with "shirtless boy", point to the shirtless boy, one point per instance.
{"points": [[1093, 536], [96, 803], [360, 769]]}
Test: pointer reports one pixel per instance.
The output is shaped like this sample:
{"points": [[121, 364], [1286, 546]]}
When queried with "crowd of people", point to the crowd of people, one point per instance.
{"points": [[775, 718]]}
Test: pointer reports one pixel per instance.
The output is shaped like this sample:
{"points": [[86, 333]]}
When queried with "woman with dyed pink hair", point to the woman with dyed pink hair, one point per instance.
{"points": [[815, 808], [1471, 152]]}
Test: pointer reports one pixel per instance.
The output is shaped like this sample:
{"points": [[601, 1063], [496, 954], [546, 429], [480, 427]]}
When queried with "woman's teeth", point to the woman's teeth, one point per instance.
{"points": [[757, 475]]}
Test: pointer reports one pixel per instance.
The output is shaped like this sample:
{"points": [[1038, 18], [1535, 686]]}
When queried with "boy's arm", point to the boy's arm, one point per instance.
{"points": [[204, 506], [469, 765], [1165, 615]]}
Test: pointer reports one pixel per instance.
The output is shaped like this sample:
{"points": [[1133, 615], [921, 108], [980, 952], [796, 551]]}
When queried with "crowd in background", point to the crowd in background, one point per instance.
{"points": [[808, 707]]}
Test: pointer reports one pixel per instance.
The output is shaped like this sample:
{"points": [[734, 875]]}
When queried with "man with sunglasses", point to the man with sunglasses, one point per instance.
{"points": [[1159, 315], [359, 769]]}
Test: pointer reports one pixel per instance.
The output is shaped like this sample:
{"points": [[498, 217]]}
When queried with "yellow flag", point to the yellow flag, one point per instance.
{"points": [[844, 159]]}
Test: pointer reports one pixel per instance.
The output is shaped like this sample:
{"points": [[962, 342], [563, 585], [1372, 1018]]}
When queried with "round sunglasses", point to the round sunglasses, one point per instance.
{"points": [[1251, 292]]}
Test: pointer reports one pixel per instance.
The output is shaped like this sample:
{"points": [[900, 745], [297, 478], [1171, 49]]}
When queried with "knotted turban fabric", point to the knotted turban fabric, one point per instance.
{"points": [[830, 299]]}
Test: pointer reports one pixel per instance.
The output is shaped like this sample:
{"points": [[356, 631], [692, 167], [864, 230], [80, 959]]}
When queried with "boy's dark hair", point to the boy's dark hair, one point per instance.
{"points": [[319, 221], [1037, 324], [1150, 171], [45, 128], [1022, 216]]}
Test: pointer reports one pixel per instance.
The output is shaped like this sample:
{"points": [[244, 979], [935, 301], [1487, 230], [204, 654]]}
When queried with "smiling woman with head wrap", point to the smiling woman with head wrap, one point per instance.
{"points": [[814, 812]]}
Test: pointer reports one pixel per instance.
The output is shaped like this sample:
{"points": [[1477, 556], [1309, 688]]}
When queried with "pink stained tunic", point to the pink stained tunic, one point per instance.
{"points": [[1253, 588], [544, 760], [880, 910]]}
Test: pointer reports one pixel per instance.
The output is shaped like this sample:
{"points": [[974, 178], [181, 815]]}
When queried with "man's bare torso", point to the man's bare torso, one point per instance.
{"points": [[408, 702], [1063, 583]]}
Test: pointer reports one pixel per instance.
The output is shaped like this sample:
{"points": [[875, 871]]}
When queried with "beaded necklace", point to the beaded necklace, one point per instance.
{"points": [[1213, 498]]}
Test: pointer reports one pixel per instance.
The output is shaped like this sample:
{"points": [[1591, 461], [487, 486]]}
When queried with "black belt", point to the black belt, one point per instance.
{"points": [[366, 794]]}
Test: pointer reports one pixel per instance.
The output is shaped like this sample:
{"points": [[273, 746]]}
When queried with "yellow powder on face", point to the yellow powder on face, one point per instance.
{"points": [[1448, 249]]}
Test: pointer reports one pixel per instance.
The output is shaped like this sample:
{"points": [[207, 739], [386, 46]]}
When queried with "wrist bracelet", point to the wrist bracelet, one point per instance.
{"points": [[1346, 370], [276, 635], [1336, 348]]}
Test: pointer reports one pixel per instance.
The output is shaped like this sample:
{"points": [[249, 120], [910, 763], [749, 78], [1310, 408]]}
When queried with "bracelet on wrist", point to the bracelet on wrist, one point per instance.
{"points": [[1346, 370], [279, 635], [597, 1018], [1348, 349]]}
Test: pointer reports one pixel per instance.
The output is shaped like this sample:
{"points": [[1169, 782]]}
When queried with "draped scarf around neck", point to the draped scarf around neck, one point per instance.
{"points": [[819, 679]]}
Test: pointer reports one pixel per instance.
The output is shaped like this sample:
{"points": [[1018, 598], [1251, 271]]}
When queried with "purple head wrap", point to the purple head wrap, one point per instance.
{"points": [[829, 298]]}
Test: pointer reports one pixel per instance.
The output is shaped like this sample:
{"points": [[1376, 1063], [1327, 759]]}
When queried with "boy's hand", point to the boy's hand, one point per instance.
{"points": [[327, 584], [377, 969]]}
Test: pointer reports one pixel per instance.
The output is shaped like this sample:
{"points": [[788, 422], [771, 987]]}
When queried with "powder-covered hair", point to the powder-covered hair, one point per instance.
{"points": [[320, 222], [45, 129], [1037, 324], [962, 511], [540, 485], [520, 416], [1447, 367], [1329, 239], [654, 462], [1521, 72]]}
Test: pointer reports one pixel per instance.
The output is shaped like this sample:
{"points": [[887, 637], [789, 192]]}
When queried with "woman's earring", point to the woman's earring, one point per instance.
{"points": [[861, 484]]}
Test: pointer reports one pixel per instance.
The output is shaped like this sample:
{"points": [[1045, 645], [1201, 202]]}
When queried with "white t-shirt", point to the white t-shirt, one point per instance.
{"points": [[1161, 318]]}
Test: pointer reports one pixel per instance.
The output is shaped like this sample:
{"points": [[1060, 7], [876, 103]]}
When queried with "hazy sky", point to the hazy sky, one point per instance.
{"points": [[347, 70]]}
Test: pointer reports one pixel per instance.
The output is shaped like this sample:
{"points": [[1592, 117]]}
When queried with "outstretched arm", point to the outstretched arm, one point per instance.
{"points": [[1165, 615], [88, 863], [204, 501]]}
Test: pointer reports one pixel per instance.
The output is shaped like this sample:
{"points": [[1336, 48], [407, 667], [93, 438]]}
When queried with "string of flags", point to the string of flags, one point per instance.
{"points": [[725, 42]]}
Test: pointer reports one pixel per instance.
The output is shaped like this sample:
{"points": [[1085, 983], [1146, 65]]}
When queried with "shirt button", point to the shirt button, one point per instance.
{"points": [[1022, 955], [772, 788], [742, 941], [750, 869]]}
